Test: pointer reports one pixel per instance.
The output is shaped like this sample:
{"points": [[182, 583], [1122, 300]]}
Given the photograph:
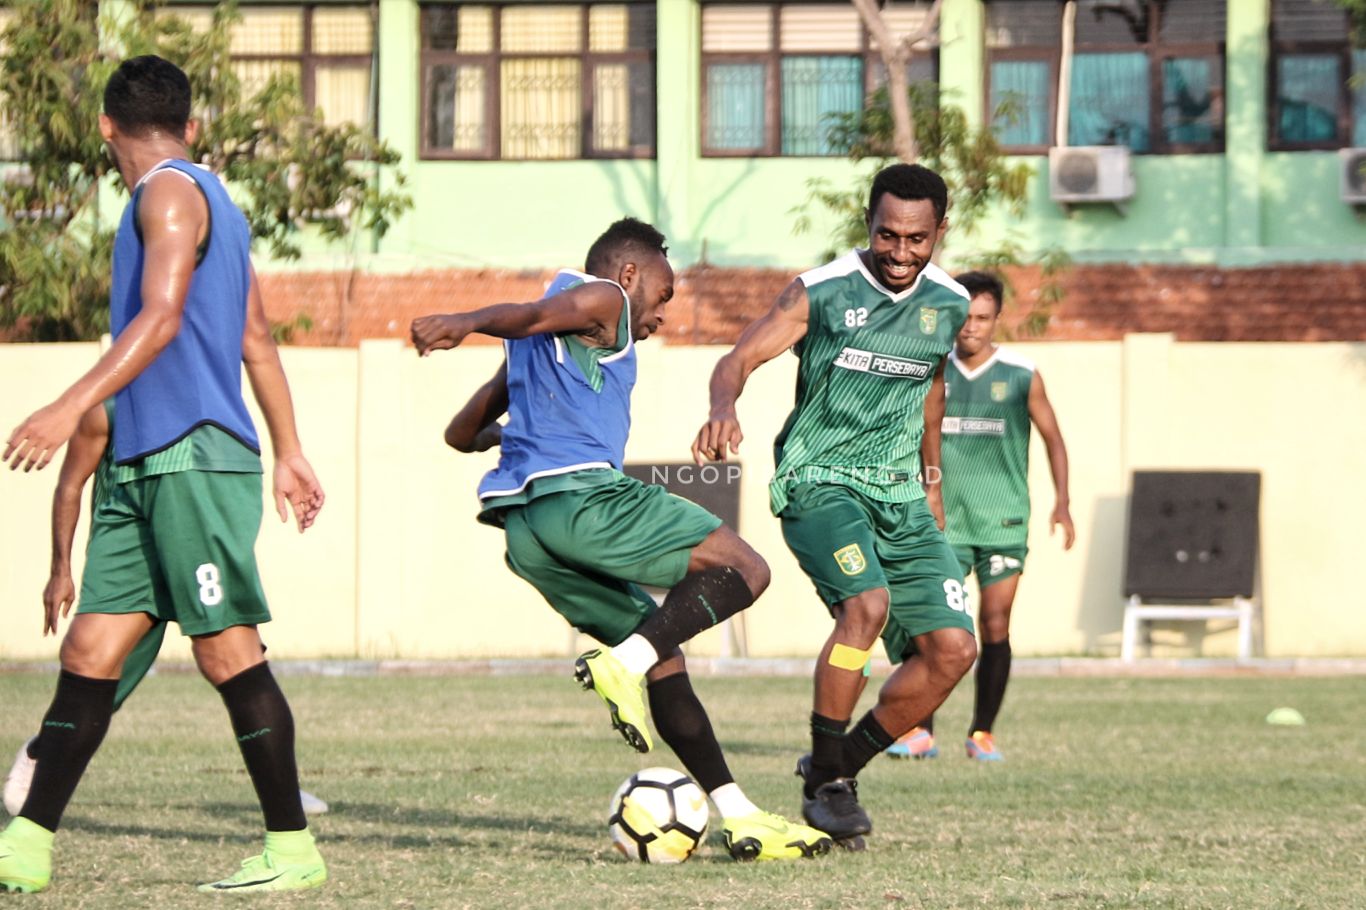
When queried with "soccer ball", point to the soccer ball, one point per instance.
{"points": [[659, 815]]}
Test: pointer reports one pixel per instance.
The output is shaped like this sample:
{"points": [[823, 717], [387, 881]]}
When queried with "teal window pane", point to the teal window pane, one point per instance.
{"points": [[1359, 98], [1019, 101], [1192, 89], [1109, 100], [1307, 87], [735, 106], [814, 89]]}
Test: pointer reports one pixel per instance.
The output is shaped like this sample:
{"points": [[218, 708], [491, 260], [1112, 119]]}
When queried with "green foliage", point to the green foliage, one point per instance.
{"points": [[1356, 12], [979, 177], [286, 167], [283, 332]]}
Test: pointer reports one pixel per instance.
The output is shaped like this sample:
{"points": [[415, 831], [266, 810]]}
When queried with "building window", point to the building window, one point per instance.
{"points": [[774, 74], [1148, 74], [1318, 99], [329, 49], [544, 81], [1023, 44]]}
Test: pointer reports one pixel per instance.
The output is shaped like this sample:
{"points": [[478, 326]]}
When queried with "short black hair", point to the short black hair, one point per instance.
{"points": [[910, 181], [148, 94], [624, 238], [983, 283]]}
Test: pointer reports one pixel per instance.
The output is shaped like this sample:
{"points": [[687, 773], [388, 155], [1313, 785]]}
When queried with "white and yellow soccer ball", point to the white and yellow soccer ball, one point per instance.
{"points": [[659, 815]]}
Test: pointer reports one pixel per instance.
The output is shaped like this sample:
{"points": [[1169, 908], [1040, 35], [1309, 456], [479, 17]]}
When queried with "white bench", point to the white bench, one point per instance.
{"points": [[1243, 609]]}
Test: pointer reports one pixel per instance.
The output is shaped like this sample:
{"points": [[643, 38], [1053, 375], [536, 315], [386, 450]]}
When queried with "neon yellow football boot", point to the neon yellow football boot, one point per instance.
{"points": [[600, 671], [25, 856], [764, 836], [289, 862]]}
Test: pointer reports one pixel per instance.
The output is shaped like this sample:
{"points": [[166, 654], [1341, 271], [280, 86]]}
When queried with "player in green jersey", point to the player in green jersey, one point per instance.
{"points": [[857, 482], [992, 397], [89, 453]]}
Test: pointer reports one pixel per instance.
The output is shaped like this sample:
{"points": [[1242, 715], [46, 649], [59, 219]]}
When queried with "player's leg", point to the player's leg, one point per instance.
{"points": [[829, 529], [135, 667], [929, 631], [73, 728], [831, 534], [708, 583], [118, 591], [918, 742], [999, 581], [628, 531], [750, 833], [606, 608], [205, 525]]}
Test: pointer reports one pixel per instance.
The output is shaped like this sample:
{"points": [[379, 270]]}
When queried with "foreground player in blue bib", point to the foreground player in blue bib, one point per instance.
{"points": [[174, 540], [587, 536]]}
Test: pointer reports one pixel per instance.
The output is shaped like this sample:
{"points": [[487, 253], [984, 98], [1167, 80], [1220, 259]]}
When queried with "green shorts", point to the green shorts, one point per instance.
{"points": [[847, 543], [588, 550], [138, 663], [992, 564], [181, 547]]}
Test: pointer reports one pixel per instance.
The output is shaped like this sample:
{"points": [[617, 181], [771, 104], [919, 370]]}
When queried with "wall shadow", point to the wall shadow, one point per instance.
{"points": [[1100, 615]]}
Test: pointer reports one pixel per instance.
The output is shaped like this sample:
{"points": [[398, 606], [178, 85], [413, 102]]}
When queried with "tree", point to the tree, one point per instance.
{"points": [[895, 57], [937, 134], [285, 166]]}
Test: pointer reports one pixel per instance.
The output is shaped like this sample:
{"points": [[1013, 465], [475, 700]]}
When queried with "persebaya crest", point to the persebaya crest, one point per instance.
{"points": [[929, 320], [851, 559]]}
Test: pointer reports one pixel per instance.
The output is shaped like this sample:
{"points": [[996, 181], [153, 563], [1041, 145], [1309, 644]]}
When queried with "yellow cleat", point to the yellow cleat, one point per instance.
{"points": [[765, 836], [600, 671]]}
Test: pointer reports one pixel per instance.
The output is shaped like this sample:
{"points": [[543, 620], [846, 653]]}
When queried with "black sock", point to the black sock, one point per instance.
{"points": [[683, 724], [73, 729], [698, 602], [31, 749], [993, 671], [867, 740], [265, 734], [827, 750], [927, 724]]}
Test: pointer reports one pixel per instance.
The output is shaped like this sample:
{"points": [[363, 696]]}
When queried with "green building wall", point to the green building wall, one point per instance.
{"points": [[1247, 206]]}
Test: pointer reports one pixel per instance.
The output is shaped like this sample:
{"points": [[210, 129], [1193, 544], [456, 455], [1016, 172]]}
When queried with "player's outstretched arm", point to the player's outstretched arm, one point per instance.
{"points": [[294, 481], [1041, 412], [592, 309], [83, 456], [763, 339], [475, 427], [173, 215], [931, 460]]}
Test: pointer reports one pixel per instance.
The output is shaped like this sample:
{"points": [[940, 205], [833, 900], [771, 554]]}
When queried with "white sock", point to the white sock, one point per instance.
{"points": [[636, 654], [731, 801]]}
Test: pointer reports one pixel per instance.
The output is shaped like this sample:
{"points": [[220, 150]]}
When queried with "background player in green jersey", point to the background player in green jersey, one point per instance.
{"points": [[90, 452], [992, 397], [872, 330]]}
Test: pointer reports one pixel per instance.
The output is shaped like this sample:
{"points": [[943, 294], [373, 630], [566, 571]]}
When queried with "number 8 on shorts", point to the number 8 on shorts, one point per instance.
{"points": [[210, 587]]}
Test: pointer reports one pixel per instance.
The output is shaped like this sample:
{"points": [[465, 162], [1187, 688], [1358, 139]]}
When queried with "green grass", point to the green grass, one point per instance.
{"points": [[492, 792]]}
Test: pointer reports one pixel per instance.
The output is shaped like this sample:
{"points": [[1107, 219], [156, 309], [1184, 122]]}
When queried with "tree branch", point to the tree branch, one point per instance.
{"points": [[895, 56]]}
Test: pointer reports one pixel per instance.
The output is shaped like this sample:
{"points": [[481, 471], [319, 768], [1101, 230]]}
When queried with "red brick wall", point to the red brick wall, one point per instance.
{"points": [[1304, 302]]}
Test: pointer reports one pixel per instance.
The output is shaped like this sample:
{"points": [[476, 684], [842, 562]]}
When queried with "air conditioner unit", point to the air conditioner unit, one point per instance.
{"points": [[1090, 173], [1353, 175]]}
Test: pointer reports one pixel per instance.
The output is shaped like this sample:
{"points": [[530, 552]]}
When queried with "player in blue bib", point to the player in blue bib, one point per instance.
{"points": [[174, 540], [585, 535]]}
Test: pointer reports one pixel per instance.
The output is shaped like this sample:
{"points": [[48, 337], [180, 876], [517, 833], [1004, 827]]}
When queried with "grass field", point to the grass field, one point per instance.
{"points": [[492, 792]]}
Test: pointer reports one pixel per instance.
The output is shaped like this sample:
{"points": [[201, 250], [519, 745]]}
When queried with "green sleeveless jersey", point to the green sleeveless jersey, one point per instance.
{"points": [[104, 471], [986, 451], [867, 362]]}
